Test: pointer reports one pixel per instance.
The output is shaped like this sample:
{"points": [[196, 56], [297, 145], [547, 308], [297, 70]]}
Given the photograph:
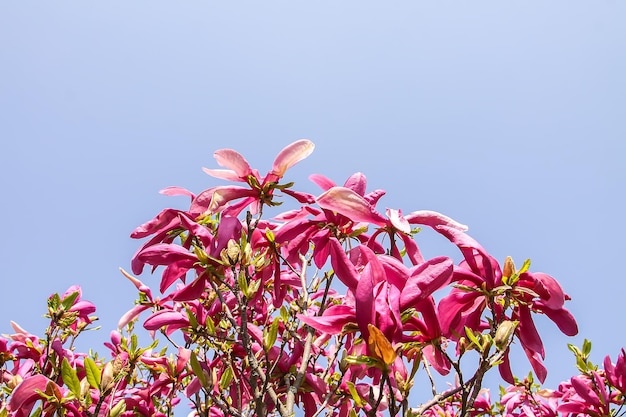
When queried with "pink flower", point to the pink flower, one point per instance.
{"points": [[259, 190], [480, 277], [616, 373], [585, 395], [26, 394]]}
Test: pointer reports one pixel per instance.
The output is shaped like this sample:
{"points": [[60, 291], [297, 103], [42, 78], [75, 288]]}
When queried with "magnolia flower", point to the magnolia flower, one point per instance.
{"points": [[259, 189]]}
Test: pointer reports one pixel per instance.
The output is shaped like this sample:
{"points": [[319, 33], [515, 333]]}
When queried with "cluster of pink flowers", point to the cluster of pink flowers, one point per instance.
{"points": [[329, 308]]}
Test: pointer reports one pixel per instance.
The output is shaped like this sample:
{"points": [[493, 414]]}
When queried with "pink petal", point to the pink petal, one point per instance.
{"points": [[25, 395], [323, 182], [223, 195], [437, 359], [234, 161], [564, 320], [291, 155], [165, 254], [434, 219], [131, 315], [357, 183], [348, 203], [583, 388], [397, 221], [333, 320], [174, 191], [528, 334], [223, 174], [364, 300], [343, 267], [166, 318], [425, 279], [163, 220]]}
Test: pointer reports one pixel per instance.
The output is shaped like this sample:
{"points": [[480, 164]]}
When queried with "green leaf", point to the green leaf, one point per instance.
{"points": [[133, 342], [193, 321], [355, 395], [586, 347], [54, 301], [574, 349], [118, 409], [197, 370], [93, 372], [525, 267], [472, 337], [271, 335], [243, 283], [68, 301], [70, 378], [210, 325], [226, 378]]}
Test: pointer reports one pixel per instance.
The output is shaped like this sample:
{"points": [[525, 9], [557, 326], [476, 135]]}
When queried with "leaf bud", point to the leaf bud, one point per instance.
{"points": [[504, 334], [231, 254]]}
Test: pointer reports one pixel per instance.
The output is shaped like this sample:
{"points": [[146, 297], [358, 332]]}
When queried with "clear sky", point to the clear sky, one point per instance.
{"points": [[508, 116]]}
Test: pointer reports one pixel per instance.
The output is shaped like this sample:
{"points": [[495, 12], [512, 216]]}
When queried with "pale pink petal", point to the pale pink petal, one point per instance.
{"points": [[183, 359], [291, 155], [323, 182], [348, 203], [434, 219], [223, 195], [223, 174], [397, 221], [174, 191], [234, 161], [130, 315]]}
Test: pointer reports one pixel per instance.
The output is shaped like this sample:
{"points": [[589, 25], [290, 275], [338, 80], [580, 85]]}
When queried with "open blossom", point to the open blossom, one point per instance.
{"points": [[260, 189], [616, 373], [480, 279]]}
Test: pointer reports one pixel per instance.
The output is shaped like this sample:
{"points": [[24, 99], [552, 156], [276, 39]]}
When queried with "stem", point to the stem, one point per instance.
{"points": [[306, 354]]}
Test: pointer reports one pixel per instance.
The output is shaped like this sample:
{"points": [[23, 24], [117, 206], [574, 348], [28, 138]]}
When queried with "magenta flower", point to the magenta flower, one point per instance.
{"points": [[27, 393], [584, 395], [616, 373]]}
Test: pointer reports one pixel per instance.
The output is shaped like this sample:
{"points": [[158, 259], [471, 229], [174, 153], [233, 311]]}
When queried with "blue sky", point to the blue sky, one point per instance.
{"points": [[508, 116]]}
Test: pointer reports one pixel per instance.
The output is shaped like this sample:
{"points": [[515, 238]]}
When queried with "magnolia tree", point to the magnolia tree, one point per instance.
{"points": [[329, 309]]}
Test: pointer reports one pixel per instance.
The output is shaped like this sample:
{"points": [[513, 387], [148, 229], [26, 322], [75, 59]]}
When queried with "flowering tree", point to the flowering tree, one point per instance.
{"points": [[329, 309]]}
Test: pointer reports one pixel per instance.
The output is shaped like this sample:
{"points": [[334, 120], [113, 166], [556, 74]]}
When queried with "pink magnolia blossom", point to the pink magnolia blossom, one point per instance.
{"points": [[616, 373], [259, 189]]}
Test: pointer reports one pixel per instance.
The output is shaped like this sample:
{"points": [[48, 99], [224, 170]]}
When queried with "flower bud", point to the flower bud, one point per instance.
{"points": [[107, 381], [231, 254], [504, 334], [509, 267]]}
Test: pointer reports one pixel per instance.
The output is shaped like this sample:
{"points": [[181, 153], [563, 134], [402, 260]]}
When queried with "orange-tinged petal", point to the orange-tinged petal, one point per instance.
{"points": [[379, 346]]}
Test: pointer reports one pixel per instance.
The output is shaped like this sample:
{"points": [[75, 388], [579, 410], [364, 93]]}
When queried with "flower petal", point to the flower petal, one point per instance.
{"points": [[348, 203], [425, 279], [291, 155], [234, 161]]}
